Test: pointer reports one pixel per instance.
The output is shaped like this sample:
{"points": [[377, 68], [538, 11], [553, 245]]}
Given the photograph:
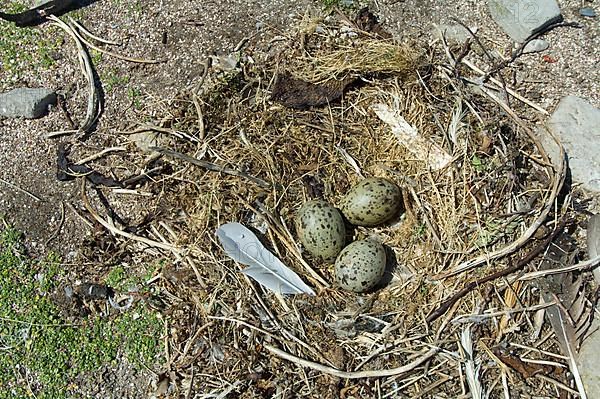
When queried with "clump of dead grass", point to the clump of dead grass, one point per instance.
{"points": [[364, 57]]}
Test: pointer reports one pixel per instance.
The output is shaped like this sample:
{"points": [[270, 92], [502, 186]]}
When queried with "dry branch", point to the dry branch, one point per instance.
{"points": [[354, 374]]}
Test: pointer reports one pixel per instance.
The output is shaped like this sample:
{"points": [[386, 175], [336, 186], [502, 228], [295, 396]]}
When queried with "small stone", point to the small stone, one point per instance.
{"points": [[457, 34], [536, 46], [522, 18], [227, 63], [575, 122], [145, 140], [587, 12], [26, 102]]}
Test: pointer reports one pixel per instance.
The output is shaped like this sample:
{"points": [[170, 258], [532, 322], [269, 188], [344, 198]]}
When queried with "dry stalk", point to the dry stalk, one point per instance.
{"points": [[115, 230], [353, 374], [74, 26], [26, 192], [93, 108], [100, 155]]}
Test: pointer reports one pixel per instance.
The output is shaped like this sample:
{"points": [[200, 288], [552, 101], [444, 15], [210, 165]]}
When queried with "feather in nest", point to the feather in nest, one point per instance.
{"points": [[571, 316], [593, 242]]}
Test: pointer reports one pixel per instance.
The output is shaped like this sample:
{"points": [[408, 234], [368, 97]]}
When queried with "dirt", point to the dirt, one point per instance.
{"points": [[183, 34]]}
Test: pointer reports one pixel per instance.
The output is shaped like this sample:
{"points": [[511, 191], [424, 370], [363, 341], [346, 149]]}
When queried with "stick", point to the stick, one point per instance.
{"points": [[353, 374], [559, 177], [581, 266], [119, 56], [9, 184], [211, 166], [448, 303], [90, 34], [508, 90], [100, 154], [93, 109], [117, 231]]}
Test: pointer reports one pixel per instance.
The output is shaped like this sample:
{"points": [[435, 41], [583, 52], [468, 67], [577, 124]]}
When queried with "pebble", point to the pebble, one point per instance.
{"points": [[522, 18], [536, 46], [26, 102], [587, 12], [453, 33]]}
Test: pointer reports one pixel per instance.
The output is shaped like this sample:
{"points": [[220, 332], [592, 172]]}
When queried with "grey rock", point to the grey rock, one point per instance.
{"points": [[25, 102], [576, 123], [536, 46], [588, 361], [587, 12], [522, 18]]}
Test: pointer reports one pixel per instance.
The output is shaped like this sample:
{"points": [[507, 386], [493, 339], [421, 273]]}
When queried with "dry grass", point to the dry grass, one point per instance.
{"points": [[227, 334], [365, 57]]}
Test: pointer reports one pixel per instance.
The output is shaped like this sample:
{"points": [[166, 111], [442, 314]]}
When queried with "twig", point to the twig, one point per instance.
{"points": [[211, 166], [200, 116], [91, 35], [509, 270], [83, 219], [59, 133], [559, 177], [508, 90], [100, 155], [487, 54], [557, 383], [519, 51], [93, 109], [353, 374], [476, 318], [108, 52], [581, 266], [117, 231], [35, 197], [153, 128]]}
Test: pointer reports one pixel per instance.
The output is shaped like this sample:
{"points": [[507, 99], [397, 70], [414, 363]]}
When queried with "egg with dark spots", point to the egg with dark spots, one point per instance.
{"points": [[360, 266], [321, 229], [372, 202]]}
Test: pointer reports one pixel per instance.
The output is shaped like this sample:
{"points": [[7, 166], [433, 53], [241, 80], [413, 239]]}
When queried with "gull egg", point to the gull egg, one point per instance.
{"points": [[372, 202], [360, 266], [321, 229]]}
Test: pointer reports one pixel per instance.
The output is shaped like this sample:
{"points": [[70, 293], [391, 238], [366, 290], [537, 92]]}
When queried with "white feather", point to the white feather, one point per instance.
{"points": [[471, 368], [244, 247]]}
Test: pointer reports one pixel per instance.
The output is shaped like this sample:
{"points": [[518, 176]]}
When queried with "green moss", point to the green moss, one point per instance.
{"points": [[40, 353], [23, 49], [347, 5], [113, 80]]}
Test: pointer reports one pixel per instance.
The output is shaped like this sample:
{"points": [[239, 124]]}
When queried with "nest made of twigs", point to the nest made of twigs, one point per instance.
{"points": [[259, 161]]}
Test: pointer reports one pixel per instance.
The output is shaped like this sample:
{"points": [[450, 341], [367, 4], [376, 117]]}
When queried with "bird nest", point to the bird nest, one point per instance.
{"points": [[306, 116]]}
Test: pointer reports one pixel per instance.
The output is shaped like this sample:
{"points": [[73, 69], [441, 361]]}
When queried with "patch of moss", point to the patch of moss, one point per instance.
{"points": [[24, 49], [348, 5], [112, 80], [40, 353]]}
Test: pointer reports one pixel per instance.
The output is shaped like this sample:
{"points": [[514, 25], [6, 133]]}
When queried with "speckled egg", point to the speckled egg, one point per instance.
{"points": [[360, 266], [371, 202], [321, 229]]}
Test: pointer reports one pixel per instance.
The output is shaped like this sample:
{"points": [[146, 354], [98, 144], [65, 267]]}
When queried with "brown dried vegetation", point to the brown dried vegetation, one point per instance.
{"points": [[262, 160]]}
